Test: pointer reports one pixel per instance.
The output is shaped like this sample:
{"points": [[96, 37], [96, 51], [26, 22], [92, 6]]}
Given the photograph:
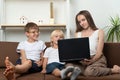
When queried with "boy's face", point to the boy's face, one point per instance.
{"points": [[32, 34]]}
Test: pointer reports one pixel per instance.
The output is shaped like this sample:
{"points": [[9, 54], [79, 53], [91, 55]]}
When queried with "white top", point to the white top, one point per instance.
{"points": [[52, 55], [93, 41], [32, 50]]}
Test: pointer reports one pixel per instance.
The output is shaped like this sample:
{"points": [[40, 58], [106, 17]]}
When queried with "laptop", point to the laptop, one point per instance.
{"points": [[74, 49]]}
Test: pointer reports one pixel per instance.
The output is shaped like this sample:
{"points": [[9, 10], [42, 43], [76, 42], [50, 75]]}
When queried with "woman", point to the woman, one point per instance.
{"points": [[96, 65]]}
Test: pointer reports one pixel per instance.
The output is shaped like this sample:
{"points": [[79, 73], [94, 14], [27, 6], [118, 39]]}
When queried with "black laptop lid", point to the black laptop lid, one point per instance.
{"points": [[73, 49]]}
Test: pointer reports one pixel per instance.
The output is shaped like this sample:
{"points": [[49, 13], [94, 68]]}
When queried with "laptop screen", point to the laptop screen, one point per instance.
{"points": [[73, 49]]}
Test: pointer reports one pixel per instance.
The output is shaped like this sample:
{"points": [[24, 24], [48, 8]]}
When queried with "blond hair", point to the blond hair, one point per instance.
{"points": [[56, 33]]}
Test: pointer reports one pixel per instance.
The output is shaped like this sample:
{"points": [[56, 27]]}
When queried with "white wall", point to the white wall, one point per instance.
{"points": [[34, 10], [101, 10]]}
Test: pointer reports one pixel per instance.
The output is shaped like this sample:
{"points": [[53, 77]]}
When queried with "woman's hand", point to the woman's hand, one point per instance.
{"points": [[87, 61]]}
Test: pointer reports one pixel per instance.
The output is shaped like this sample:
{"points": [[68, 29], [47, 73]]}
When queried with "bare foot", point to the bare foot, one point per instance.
{"points": [[10, 70], [116, 69]]}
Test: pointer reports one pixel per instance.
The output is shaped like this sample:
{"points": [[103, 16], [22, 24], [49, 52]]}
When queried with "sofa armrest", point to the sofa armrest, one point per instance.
{"points": [[112, 53], [8, 49]]}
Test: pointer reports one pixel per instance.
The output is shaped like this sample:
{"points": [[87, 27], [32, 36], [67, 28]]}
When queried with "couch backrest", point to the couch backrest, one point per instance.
{"points": [[8, 49], [110, 50], [112, 53]]}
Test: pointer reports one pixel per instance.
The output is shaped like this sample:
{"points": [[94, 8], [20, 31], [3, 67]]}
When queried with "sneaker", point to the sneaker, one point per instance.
{"points": [[75, 73], [65, 72]]}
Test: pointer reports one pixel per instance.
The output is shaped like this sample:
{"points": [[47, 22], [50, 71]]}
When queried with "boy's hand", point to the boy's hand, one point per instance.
{"points": [[39, 63]]}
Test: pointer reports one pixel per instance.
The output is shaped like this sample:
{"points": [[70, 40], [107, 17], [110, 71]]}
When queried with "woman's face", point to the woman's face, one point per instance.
{"points": [[83, 21]]}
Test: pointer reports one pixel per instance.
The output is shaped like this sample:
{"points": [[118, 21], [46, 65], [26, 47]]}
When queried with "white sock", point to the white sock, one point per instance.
{"points": [[65, 71], [75, 73]]}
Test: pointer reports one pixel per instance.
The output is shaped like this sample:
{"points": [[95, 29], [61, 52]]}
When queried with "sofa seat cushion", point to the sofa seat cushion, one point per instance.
{"points": [[2, 77], [39, 76], [32, 76], [108, 77]]}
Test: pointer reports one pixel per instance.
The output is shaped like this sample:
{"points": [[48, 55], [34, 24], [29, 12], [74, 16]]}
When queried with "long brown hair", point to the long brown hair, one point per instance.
{"points": [[88, 18]]}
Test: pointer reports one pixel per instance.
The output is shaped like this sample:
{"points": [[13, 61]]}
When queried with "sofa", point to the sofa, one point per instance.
{"points": [[111, 51]]}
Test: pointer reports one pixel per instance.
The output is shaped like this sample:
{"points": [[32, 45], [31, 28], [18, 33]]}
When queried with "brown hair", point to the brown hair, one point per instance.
{"points": [[31, 25], [88, 18]]}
